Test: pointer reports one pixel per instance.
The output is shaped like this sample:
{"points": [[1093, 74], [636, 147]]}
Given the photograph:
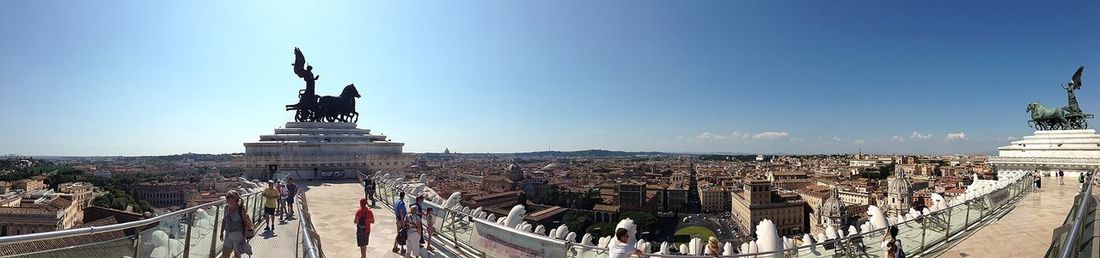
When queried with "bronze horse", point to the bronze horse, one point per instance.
{"points": [[342, 108], [1046, 118]]}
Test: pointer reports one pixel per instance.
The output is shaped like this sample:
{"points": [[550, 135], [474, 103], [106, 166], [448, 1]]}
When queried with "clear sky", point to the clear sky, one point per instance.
{"points": [[163, 77]]}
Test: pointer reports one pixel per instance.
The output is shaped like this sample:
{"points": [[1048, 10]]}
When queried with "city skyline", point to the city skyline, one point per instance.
{"points": [[743, 76]]}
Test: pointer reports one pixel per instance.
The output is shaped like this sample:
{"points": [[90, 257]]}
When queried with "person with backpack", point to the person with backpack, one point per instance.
{"points": [[399, 213], [363, 219], [236, 227], [891, 245]]}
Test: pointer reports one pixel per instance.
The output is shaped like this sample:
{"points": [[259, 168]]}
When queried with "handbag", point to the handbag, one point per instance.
{"points": [[249, 229]]}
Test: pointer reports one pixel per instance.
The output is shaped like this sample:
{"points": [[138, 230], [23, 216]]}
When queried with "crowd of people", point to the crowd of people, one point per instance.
{"points": [[414, 222], [237, 226]]}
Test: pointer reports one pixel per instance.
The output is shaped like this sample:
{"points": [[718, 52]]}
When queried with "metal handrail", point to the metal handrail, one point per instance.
{"points": [[109, 228], [1075, 230], [305, 228], [842, 239], [1016, 183]]}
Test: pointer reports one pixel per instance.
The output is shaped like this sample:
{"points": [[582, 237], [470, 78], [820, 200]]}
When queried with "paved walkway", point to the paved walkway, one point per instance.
{"points": [[281, 242], [333, 206], [1026, 230]]}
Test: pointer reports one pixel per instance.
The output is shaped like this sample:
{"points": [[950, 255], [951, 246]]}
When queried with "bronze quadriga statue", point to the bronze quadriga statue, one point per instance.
{"points": [[1066, 118], [313, 108]]}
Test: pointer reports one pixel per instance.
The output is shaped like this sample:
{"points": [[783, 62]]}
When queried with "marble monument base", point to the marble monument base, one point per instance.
{"points": [[1072, 151]]}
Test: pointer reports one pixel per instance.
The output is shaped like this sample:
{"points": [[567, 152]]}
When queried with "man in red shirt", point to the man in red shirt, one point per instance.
{"points": [[363, 218]]}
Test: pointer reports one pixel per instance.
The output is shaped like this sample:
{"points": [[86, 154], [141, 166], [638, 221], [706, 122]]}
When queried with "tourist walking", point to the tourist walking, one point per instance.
{"points": [[429, 228], [891, 245], [363, 219], [618, 248], [419, 203], [281, 209], [1061, 177], [415, 230], [1038, 183], [292, 192], [235, 225], [399, 213], [270, 203], [371, 191], [368, 192]]}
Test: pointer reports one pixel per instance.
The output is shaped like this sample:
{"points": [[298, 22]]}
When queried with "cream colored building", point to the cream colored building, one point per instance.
{"points": [[853, 197], [82, 193], [30, 185], [758, 201], [46, 214], [714, 199]]}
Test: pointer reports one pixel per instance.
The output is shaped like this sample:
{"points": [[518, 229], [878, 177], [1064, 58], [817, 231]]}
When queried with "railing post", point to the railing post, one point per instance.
{"points": [[948, 233], [187, 241], [966, 221], [217, 230], [137, 243], [923, 230]]}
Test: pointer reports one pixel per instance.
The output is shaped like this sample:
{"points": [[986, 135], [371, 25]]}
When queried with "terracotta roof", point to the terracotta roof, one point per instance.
{"points": [[107, 244], [606, 208], [546, 213]]}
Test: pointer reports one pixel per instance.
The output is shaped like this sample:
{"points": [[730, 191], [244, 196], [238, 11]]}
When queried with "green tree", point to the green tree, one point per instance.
{"points": [[644, 221], [576, 219], [601, 229]]}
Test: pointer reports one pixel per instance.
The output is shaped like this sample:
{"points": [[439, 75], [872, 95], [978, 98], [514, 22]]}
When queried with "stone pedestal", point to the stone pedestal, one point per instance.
{"points": [[1068, 150], [319, 150]]}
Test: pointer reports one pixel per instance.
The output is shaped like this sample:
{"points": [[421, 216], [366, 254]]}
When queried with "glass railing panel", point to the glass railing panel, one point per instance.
{"points": [[871, 244], [203, 238], [957, 218], [120, 247], [975, 212], [910, 235], [218, 214]]}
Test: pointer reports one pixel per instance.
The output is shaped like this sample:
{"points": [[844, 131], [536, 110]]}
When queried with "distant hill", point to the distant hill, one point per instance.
{"points": [[592, 153], [561, 154]]}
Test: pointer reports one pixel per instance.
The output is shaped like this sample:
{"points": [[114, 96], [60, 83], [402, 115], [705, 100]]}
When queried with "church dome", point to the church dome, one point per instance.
{"points": [[515, 168], [833, 207], [899, 182], [515, 172]]}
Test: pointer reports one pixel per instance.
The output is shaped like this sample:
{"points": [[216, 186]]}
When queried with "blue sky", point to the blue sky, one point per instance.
{"points": [[141, 77]]}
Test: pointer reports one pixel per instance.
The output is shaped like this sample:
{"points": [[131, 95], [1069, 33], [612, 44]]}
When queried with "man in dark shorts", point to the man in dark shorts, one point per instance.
{"points": [[292, 190], [271, 195], [399, 212], [363, 218]]}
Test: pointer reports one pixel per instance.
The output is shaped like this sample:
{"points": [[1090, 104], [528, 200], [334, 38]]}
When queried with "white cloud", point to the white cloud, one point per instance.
{"points": [[797, 139], [898, 138], [680, 137], [837, 139], [709, 136], [769, 135], [1012, 138], [956, 136], [919, 136], [860, 141]]}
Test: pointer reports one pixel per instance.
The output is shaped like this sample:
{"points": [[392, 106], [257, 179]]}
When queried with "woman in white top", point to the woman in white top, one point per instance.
{"points": [[412, 224], [618, 248]]}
